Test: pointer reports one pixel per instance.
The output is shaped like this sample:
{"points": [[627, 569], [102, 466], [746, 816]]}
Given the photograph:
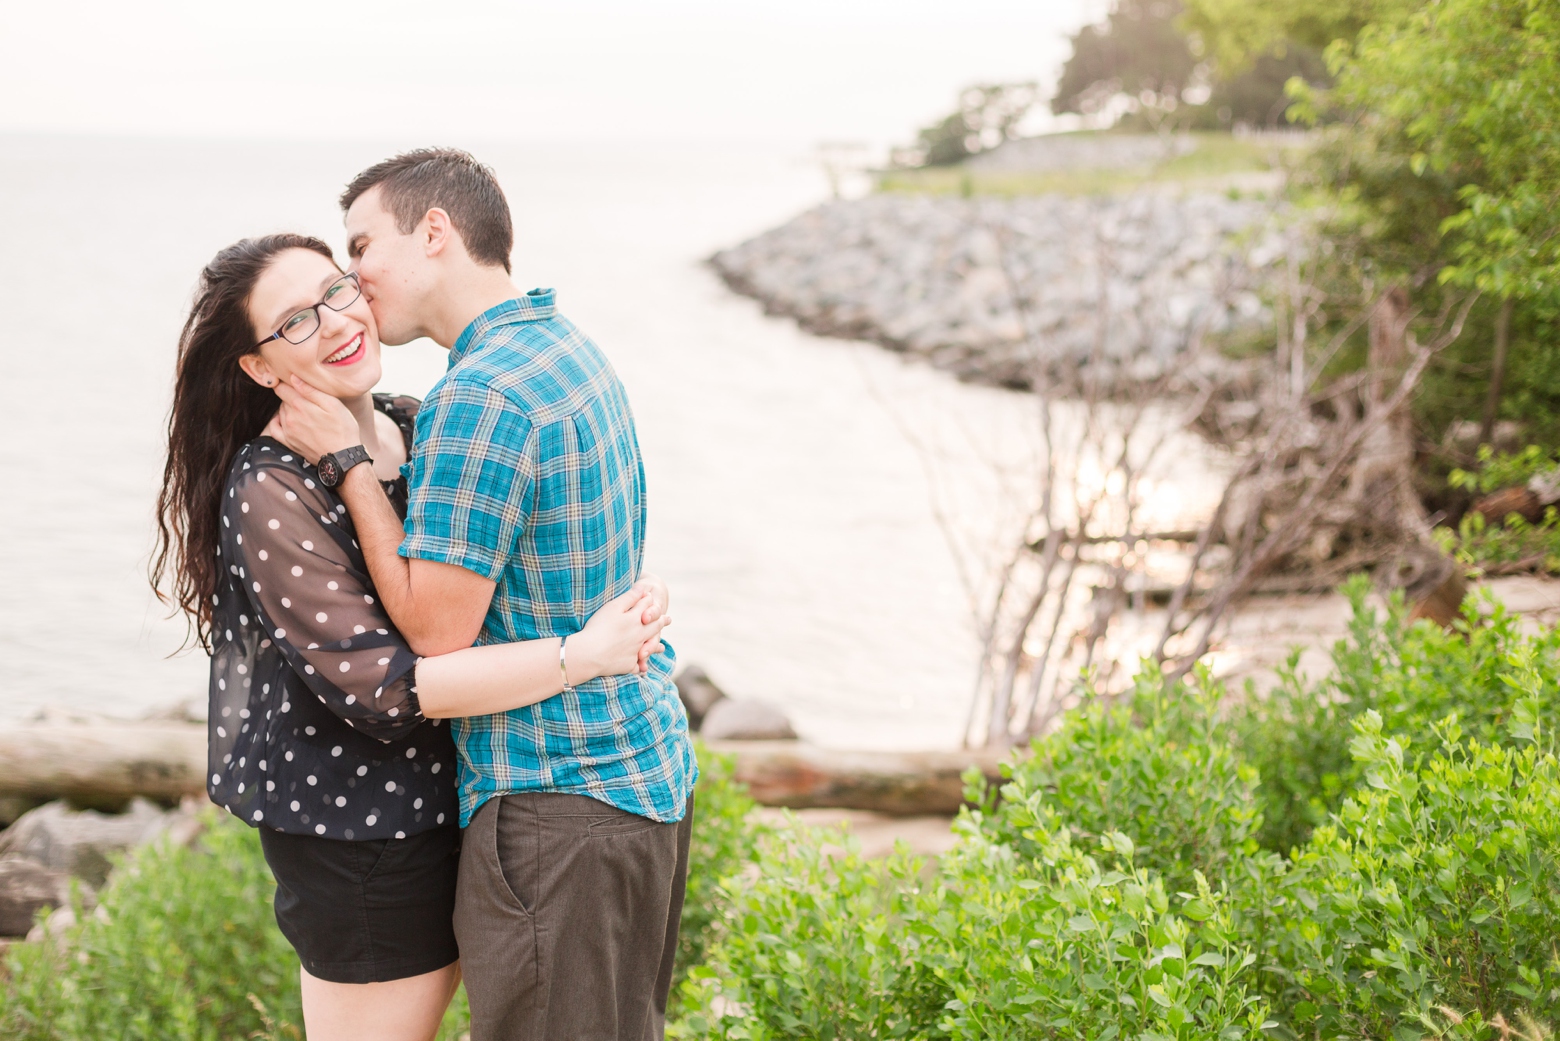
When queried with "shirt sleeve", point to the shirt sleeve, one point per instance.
{"points": [[308, 584], [472, 479]]}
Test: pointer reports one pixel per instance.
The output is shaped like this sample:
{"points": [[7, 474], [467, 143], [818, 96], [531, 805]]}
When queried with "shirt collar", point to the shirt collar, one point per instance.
{"points": [[537, 305]]}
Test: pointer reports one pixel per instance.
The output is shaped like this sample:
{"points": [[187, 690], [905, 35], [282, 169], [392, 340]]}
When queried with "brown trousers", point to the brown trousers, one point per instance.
{"points": [[566, 914]]}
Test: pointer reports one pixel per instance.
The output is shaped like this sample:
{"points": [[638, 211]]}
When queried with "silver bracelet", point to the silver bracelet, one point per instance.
{"points": [[563, 664]]}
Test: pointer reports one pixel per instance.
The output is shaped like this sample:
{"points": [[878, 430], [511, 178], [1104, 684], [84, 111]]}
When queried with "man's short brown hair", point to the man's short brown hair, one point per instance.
{"points": [[415, 182]]}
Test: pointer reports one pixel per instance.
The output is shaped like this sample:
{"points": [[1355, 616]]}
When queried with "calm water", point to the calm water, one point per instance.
{"points": [[789, 510]]}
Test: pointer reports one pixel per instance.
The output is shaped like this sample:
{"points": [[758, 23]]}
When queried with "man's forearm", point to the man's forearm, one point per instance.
{"points": [[437, 607], [379, 533]]}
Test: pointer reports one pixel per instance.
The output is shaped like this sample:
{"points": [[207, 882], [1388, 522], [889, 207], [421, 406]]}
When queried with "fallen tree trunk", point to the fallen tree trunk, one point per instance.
{"points": [[102, 764], [797, 775], [105, 764]]}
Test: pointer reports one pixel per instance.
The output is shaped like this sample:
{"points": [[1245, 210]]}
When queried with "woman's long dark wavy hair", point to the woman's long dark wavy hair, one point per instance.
{"points": [[217, 409]]}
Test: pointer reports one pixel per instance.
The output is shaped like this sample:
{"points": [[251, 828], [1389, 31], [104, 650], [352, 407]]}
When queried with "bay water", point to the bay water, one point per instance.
{"points": [[791, 477]]}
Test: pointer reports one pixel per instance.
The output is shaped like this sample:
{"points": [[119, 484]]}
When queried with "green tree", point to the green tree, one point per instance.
{"points": [[988, 114], [1143, 54], [1136, 51], [1235, 34], [1456, 159], [1476, 87]]}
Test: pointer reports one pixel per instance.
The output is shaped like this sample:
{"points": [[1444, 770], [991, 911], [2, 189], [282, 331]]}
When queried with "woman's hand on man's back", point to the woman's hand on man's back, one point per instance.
{"points": [[617, 639]]}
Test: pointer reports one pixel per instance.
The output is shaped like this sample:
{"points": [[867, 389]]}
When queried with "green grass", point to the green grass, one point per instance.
{"points": [[1216, 157]]}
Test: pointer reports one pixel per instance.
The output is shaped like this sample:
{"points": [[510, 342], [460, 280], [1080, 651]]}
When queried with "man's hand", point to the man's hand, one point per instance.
{"points": [[312, 422]]}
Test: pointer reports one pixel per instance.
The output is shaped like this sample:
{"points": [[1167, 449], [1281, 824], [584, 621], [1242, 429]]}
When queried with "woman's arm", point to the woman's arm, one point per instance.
{"points": [[480, 681], [321, 610], [286, 543]]}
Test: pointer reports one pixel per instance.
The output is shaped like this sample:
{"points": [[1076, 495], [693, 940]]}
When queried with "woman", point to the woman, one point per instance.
{"points": [[326, 730]]}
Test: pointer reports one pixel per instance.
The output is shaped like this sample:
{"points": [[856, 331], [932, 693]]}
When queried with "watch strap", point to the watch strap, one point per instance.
{"points": [[334, 466]]}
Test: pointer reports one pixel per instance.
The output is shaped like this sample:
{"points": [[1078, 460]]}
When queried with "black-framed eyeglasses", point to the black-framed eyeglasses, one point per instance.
{"points": [[340, 295]]}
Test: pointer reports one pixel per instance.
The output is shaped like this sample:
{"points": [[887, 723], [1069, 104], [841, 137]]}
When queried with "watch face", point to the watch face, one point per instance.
{"points": [[329, 475]]}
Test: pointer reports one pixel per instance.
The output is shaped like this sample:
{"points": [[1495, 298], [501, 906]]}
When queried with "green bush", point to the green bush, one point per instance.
{"points": [[1160, 770], [1057, 944], [812, 948], [1497, 470], [1021, 933], [826, 945], [183, 945], [1478, 544], [1128, 883], [725, 840], [1297, 736], [1431, 905]]}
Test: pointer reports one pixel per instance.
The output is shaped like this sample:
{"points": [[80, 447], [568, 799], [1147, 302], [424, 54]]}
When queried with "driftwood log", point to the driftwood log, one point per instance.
{"points": [[102, 764], [105, 764], [797, 775]]}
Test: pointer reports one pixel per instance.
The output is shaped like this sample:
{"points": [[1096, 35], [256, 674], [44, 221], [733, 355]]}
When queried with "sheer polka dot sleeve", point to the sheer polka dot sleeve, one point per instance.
{"points": [[291, 548]]}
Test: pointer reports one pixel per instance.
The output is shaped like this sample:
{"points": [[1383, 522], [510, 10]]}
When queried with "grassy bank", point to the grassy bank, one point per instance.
{"points": [[1215, 158], [1373, 854]]}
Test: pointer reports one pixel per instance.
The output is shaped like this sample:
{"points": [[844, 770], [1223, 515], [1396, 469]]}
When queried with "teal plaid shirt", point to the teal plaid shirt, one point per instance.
{"points": [[526, 469]]}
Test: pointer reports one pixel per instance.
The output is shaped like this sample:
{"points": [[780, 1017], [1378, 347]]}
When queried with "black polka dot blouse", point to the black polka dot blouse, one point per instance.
{"points": [[315, 727]]}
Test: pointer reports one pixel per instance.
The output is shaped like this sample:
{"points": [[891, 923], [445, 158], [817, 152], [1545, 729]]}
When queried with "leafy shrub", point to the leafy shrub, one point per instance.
{"points": [[1514, 541], [1125, 885], [1497, 470], [1055, 944], [813, 947], [725, 840], [185, 944], [1023, 934], [1432, 904], [181, 945], [1297, 736], [1162, 772]]}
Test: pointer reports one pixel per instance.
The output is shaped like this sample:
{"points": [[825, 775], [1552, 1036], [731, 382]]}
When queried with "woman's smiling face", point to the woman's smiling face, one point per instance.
{"points": [[340, 358]]}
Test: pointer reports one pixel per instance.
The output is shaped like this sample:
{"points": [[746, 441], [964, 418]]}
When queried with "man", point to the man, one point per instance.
{"points": [[527, 513]]}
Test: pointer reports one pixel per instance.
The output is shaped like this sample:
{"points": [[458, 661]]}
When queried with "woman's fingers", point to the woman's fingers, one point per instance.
{"points": [[628, 601]]}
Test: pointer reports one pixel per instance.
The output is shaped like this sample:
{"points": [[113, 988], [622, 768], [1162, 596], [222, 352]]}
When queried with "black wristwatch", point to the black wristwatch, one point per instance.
{"points": [[334, 467]]}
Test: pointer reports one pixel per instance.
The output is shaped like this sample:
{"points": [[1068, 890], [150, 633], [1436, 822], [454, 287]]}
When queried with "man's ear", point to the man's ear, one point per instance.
{"points": [[437, 231], [257, 369]]}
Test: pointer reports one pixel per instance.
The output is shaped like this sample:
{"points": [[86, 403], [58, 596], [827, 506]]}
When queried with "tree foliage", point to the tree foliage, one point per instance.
{"points": [[988, 114], [1141, 59], [1136, 51], [1237, 33], [1474, 86]]}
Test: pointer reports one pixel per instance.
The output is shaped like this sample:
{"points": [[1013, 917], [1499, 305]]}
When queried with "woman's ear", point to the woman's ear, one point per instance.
{"points": [[257, 369]]}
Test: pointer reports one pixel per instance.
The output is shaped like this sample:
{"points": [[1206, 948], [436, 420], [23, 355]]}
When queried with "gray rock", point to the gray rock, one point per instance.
{"points": [[80, 843], [1025, 292], [26, 887], [732, 720], [698, 693]]}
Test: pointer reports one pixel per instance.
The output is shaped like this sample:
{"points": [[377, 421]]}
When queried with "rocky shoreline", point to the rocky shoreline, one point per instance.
{"points": [[1023, 291]]}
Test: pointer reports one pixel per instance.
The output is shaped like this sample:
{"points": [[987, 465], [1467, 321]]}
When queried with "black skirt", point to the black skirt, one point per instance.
{"points": [[367, 911]]}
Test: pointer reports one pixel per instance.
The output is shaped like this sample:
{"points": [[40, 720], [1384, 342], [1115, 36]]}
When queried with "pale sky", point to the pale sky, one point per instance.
{"points": [[802, 71]]}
